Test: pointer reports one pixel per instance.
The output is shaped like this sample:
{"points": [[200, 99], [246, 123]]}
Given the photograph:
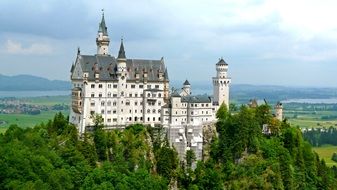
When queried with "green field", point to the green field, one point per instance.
{"points": [[325, 152], [26, 120], [48, 100], [310, 119]]}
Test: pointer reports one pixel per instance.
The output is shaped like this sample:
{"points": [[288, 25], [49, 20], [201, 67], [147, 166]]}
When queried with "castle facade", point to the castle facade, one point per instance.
{"points": [[126, 91]]}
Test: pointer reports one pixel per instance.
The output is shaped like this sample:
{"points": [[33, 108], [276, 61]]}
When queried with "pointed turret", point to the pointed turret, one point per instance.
{"points": [[121, 60], [102, 27], [121, 53], [102, 39]]}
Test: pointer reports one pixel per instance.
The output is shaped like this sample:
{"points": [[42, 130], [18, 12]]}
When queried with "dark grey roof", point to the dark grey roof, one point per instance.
{"points": [[166, 74], [72, 67], [175, 94], [102, 27], [106, 67], [222, 62], [121, 53], [196, 99], [186, 82]]}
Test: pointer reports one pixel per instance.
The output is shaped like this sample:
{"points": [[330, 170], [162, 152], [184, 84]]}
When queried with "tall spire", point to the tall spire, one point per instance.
{"points": [[102, 27], [102, 40], [121, 53]]}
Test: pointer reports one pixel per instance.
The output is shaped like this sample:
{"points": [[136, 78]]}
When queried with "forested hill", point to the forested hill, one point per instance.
{"points": [[28, 82], [51, 156]]}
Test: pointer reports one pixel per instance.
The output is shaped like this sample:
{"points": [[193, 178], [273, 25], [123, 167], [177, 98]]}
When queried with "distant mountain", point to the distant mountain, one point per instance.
{"points": [[29, 82]]}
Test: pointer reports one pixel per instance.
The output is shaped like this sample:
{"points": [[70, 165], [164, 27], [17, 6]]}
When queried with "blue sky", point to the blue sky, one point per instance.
{"points": [[286, 42]]}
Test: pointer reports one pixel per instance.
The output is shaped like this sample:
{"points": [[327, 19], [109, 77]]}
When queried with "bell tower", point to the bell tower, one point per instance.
{"points": [[221, 84], [102, 40]]}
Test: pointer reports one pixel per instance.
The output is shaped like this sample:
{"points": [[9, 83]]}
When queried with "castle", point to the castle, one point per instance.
{"points": [[126, 91]]}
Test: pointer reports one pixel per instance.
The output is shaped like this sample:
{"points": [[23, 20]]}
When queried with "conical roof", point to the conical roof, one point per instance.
{"points": [[121, 53]]}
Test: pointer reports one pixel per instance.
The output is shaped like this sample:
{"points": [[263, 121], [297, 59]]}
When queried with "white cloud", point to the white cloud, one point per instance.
{"points": [[14, 47]]}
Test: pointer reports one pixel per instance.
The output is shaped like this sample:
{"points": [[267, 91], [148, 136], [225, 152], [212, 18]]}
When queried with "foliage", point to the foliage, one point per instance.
{"points": [[53, 156]]}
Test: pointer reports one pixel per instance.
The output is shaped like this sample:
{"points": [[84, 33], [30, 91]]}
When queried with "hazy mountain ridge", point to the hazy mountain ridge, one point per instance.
{"points": [[29, 82]]}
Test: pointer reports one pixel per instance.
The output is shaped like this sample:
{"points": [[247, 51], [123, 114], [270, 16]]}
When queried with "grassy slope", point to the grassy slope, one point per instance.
{"points": [[325, 152]]}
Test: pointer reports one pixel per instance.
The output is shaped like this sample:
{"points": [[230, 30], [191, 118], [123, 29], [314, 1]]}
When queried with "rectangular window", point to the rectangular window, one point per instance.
{"points": [[92, 103], [157, 86], [102, 111], [114, 111], [148, 86], [141, 86], [109, 85], [92, 86], [109, 112], [130, 95], [100, 95], [92, 112], [109, 120], [115, 86], [136, 95], [100, 86], [92, 95], [133, 86], [114, 95], [114, 119]]}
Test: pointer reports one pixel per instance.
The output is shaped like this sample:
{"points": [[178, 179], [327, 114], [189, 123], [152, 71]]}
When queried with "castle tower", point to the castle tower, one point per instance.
{"points": [[102, 40], [186, 90], [279, 111], [221, 84], [121, 74]]}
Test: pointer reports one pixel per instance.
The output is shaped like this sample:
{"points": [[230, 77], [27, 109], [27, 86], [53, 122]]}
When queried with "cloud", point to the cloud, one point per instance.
{"points": [[14, 47]]}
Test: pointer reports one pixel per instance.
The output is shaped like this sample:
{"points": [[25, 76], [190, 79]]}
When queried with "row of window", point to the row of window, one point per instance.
{"points": [[130, 119], [127, 103], [130, 111], [193, 105], [184, 119], [100, 95], [185, 112], [126, 86]]}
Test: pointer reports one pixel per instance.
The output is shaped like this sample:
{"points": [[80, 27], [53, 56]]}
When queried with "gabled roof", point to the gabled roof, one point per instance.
{"points": [[106, 67], [186, 82], [196, 99]]}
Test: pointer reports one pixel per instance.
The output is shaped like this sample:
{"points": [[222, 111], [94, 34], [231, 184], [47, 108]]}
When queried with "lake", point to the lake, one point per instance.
{"points": [[312, 101], [21, 94]]}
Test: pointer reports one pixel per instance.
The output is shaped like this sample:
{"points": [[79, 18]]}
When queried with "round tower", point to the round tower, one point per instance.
{"points": [[102, 40], [279, 111], [221, 84]]}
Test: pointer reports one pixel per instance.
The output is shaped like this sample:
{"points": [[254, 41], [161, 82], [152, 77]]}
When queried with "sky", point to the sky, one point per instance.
{"points": [[265, 42]]}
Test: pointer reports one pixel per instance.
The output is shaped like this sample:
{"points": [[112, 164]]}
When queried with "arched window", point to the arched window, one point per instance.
{"points": [[153, 111], [109, 103], [159, 95], [148, 111], [102, 103]]}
